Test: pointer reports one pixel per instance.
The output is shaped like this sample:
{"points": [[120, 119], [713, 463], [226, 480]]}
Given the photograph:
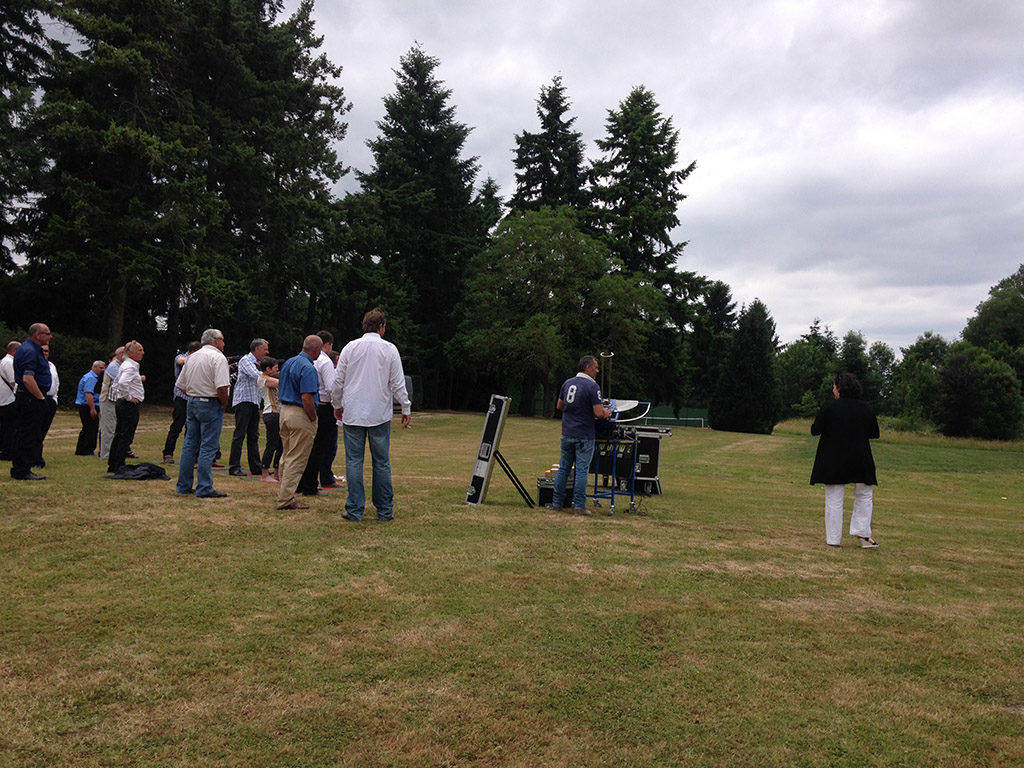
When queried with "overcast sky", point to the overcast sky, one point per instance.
{"points": [[861, 163]]}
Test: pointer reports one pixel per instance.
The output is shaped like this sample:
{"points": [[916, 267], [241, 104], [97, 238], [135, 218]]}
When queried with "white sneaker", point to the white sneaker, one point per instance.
{"points": [[866, 542]]}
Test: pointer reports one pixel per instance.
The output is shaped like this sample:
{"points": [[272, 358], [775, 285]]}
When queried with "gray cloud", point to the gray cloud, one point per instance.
{"points": [[857, 163]]}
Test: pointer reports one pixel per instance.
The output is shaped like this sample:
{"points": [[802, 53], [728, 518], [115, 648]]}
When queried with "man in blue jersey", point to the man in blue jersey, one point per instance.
{"points": [[580, 403]]}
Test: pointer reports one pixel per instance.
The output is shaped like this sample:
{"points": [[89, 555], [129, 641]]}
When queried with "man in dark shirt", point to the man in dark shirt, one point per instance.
{"points": [[32, 375], [580, 403]]}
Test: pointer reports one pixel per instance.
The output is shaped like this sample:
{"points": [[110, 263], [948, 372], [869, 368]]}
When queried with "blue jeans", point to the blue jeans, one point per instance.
{"points": [[379, 438], [203, 421], [578, 451]]}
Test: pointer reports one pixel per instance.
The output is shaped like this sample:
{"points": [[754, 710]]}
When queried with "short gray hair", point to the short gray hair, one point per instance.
{"points": [[210, 335], [256, 344]]}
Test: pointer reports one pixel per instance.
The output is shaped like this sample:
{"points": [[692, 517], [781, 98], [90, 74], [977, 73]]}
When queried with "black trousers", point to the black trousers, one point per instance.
{"points": [[6, 429], [89, 434], [272, 454], [177, 424], [124, 433], [330, 451], [325, 428], [247, 429], [49, 411], [27, 435]]}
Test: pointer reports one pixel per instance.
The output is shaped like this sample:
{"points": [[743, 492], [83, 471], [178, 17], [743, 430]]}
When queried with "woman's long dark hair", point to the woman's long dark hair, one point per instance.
{"points": [[848, 385]]}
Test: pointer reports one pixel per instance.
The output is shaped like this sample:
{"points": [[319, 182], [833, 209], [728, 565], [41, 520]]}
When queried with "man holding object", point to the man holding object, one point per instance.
{"points": [[580, 403]]}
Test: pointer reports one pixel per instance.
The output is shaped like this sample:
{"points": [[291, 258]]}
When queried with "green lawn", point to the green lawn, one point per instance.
{"points": [[712, 628]]}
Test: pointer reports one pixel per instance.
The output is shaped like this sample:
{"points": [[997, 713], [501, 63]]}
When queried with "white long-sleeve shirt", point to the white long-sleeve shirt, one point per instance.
{"points": [[54, 382], [128, 383], [325, 373], [369, 377], [7, 385]]}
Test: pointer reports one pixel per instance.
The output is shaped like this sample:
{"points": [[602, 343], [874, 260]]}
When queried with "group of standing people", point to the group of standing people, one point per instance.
{"points": [[359, 391], [844, 426], [302, 402], [28, 402]]}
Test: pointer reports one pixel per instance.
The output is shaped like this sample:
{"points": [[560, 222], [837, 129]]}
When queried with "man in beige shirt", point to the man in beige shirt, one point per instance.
{"points": [[205, 381]]}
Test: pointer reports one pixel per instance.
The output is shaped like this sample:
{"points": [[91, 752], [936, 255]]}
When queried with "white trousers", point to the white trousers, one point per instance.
{"points": [[860, 520]]}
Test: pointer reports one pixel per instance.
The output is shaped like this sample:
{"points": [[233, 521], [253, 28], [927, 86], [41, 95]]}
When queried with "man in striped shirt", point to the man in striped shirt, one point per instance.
{"points": [[246, 403]]}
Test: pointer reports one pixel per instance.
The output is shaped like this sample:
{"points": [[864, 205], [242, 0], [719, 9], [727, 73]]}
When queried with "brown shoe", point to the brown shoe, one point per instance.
{"points": [[294, 504], [583, 511]]}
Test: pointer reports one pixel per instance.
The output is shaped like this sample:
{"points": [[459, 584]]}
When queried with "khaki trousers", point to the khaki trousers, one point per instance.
{"points": [[297, 433]]}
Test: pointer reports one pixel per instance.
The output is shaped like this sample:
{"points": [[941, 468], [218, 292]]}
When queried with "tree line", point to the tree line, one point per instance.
{"points": [[172, 168]]}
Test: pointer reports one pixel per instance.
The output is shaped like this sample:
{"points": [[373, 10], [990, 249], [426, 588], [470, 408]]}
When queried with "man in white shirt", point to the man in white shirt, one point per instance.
{"points": [[315, 474], [50, 405], [7, 390], [127, 391], [108, 414], [204, 380], [368, 379]]}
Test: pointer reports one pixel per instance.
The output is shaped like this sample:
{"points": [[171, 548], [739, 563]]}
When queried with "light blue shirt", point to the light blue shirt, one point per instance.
{"points": [[88, 384]]}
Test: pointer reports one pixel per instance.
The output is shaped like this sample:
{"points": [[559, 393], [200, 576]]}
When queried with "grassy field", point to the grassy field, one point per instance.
{"points": [[714, 627]]}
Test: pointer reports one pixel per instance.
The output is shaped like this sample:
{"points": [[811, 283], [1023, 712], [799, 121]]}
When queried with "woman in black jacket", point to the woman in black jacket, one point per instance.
{"points": [[846, 424]]}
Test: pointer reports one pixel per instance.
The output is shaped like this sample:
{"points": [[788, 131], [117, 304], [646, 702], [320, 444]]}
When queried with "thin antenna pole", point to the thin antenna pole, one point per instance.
{"points": [[606, 374]]}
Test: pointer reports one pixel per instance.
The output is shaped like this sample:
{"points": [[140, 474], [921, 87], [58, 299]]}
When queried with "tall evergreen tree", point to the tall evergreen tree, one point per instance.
{"points": [[549, 164], [713, 325], [746, 397], [22, 51], [430, 222], [119, 202], [273, 117], [192, 156], [636, 185]]}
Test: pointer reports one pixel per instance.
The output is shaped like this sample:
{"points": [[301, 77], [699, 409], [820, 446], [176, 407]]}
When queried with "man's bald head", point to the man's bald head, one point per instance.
{"points": [[312, 346]]}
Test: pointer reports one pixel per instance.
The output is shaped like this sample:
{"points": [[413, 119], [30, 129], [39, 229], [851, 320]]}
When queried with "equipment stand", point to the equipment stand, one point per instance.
{"points": [[613, 473], [514, 478]]}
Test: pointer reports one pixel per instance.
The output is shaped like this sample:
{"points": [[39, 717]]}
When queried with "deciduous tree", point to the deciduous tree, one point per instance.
{"points": [[978, 395]]}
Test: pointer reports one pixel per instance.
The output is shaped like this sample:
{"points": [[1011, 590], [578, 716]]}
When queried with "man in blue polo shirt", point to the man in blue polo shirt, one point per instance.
{"points": [[580, 403], [32, 375], [298, 385], [87, 401]]}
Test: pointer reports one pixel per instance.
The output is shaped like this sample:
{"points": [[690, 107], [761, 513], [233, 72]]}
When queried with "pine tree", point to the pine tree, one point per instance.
{"points": [[714, 324], [192, 157], [549, 164], [746, 399], [22, 51], [119, 201], [271, 115], [637, 185], [430, 222]]}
